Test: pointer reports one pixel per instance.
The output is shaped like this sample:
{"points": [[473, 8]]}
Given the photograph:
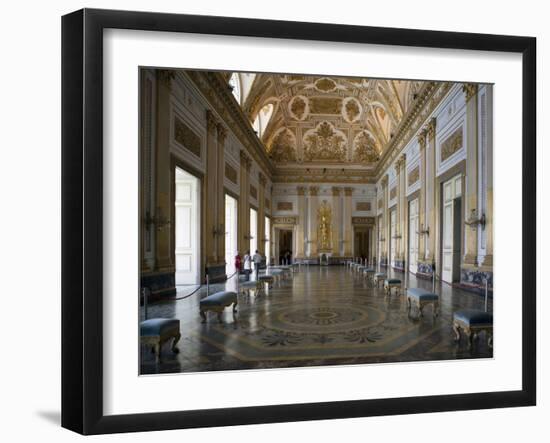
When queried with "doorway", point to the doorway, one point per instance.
{"points": [[285, 246], [187, 228], [451, 230], [231, 233], [253, 231], [267, 239], [413, 236], [361, 242]]}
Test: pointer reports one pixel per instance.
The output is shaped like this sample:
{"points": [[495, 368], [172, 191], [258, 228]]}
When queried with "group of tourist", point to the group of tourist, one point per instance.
{"points": [[244, 265]]}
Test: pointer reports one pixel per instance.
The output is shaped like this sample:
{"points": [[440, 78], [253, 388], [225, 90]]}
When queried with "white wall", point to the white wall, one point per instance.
{"points": [[30, 379]]}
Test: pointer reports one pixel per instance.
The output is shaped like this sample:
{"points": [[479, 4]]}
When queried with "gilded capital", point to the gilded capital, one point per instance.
{"points": [[385, 180], [222, 133], [470, 89], [335, 191], [422, 139], [301, 190], [348, 192], [211, 121], [262, 179], [313, 190], [245, 160], [430, 128]]}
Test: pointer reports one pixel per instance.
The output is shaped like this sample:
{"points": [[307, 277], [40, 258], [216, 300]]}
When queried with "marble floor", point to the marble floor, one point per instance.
{"points": [[322, 315]]}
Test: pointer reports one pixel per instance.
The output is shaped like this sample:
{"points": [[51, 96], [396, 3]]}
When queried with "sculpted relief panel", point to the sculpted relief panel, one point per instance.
{"points": [[324, 143], [364, 150], [283, 146]]}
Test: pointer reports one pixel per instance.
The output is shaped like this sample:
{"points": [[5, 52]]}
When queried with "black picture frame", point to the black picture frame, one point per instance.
{"points": [[82, 190]]}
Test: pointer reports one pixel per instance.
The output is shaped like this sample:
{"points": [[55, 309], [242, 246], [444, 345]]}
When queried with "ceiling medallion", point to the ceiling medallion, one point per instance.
{"points": [[298, 107], [283, 146], [365, 149], [324, 143], [351, 110], [325, 85]]}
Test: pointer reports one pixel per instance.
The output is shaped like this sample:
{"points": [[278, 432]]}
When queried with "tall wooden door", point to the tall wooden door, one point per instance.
{"points": [[413, 235], [187, 228], [451, 229]]}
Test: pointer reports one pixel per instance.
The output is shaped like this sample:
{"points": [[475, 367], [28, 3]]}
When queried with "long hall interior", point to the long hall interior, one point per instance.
{"points": [[306, 220]]}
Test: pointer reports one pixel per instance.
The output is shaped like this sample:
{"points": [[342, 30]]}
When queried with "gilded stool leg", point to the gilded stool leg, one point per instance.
{"points": [[157, 351], [456, 330], [203, 316]]}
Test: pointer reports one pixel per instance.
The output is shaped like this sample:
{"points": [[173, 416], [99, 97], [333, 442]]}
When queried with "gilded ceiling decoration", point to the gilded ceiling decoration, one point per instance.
{"points": [[283, 147], [365, 149], [337, 121], [324, 143]]}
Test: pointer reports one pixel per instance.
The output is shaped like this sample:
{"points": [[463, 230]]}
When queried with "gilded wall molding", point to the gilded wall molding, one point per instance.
{"points": [[469, 89]]}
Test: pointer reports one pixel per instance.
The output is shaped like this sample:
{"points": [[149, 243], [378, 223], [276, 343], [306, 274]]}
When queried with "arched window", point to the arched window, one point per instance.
{"points": [[235, 83], [262, 119]]}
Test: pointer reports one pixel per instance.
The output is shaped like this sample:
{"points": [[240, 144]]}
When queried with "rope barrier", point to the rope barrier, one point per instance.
{"points": [[199, 288]]}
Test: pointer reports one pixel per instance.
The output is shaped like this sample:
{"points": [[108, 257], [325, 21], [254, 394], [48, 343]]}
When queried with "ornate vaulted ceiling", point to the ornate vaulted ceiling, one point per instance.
{"points": [[328, 122]]}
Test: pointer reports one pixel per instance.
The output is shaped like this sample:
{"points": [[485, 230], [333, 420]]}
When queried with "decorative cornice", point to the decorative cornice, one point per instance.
{"points": [[428, 99], [323, 175], [469, 89], [213, 87], [166, 76]]}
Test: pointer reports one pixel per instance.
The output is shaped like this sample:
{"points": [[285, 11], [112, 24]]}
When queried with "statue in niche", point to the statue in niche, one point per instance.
{"points": [[324, 230]]}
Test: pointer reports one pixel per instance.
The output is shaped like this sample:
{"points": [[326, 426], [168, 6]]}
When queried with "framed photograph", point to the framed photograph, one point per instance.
{"points": [[270, 221]]}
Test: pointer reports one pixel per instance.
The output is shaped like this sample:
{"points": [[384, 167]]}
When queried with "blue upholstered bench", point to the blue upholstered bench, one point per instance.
{"points": [[472, 322], [217, 302], [390, 283], [378, 277], [247, 286], [421, 297], [156, 331]]}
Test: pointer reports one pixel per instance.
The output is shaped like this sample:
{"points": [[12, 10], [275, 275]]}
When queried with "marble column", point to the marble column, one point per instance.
{"points": [[422, 220], [486, 117], [261, 213], [301, 228], [471, 203], [243, 221], [346, 222], [336, 221], [431, 205], [163, 262], [403, 213], [312, 217], [398, 210], [210, 195], [384, 230], [220, 195]]}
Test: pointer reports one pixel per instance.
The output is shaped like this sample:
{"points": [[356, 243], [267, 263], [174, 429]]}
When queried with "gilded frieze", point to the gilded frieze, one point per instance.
{"points": [[362, 206], [283, 147], [185, 136], [451, 144], [365, 149], [324, 144], [284, 206]]}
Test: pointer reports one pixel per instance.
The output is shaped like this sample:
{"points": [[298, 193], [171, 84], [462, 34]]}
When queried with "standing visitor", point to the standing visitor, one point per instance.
{"points": [[238, 263], [247, 264], [257, 262]]}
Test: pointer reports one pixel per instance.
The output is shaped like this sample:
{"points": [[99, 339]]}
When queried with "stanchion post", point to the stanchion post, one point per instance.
{"points": [[486, 294], [207, 285]]}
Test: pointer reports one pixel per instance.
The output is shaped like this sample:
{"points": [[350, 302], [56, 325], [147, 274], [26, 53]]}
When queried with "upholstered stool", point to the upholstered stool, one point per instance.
{"points": [[247, 286], [369, 273], [268, 278], [472, 322], [390, 283], [217, 302], [157, 331], [420, 298], [379, 277]]}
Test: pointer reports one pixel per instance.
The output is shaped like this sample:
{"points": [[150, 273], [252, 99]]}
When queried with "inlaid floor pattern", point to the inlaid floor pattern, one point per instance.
{"points": [[323, 315]]}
